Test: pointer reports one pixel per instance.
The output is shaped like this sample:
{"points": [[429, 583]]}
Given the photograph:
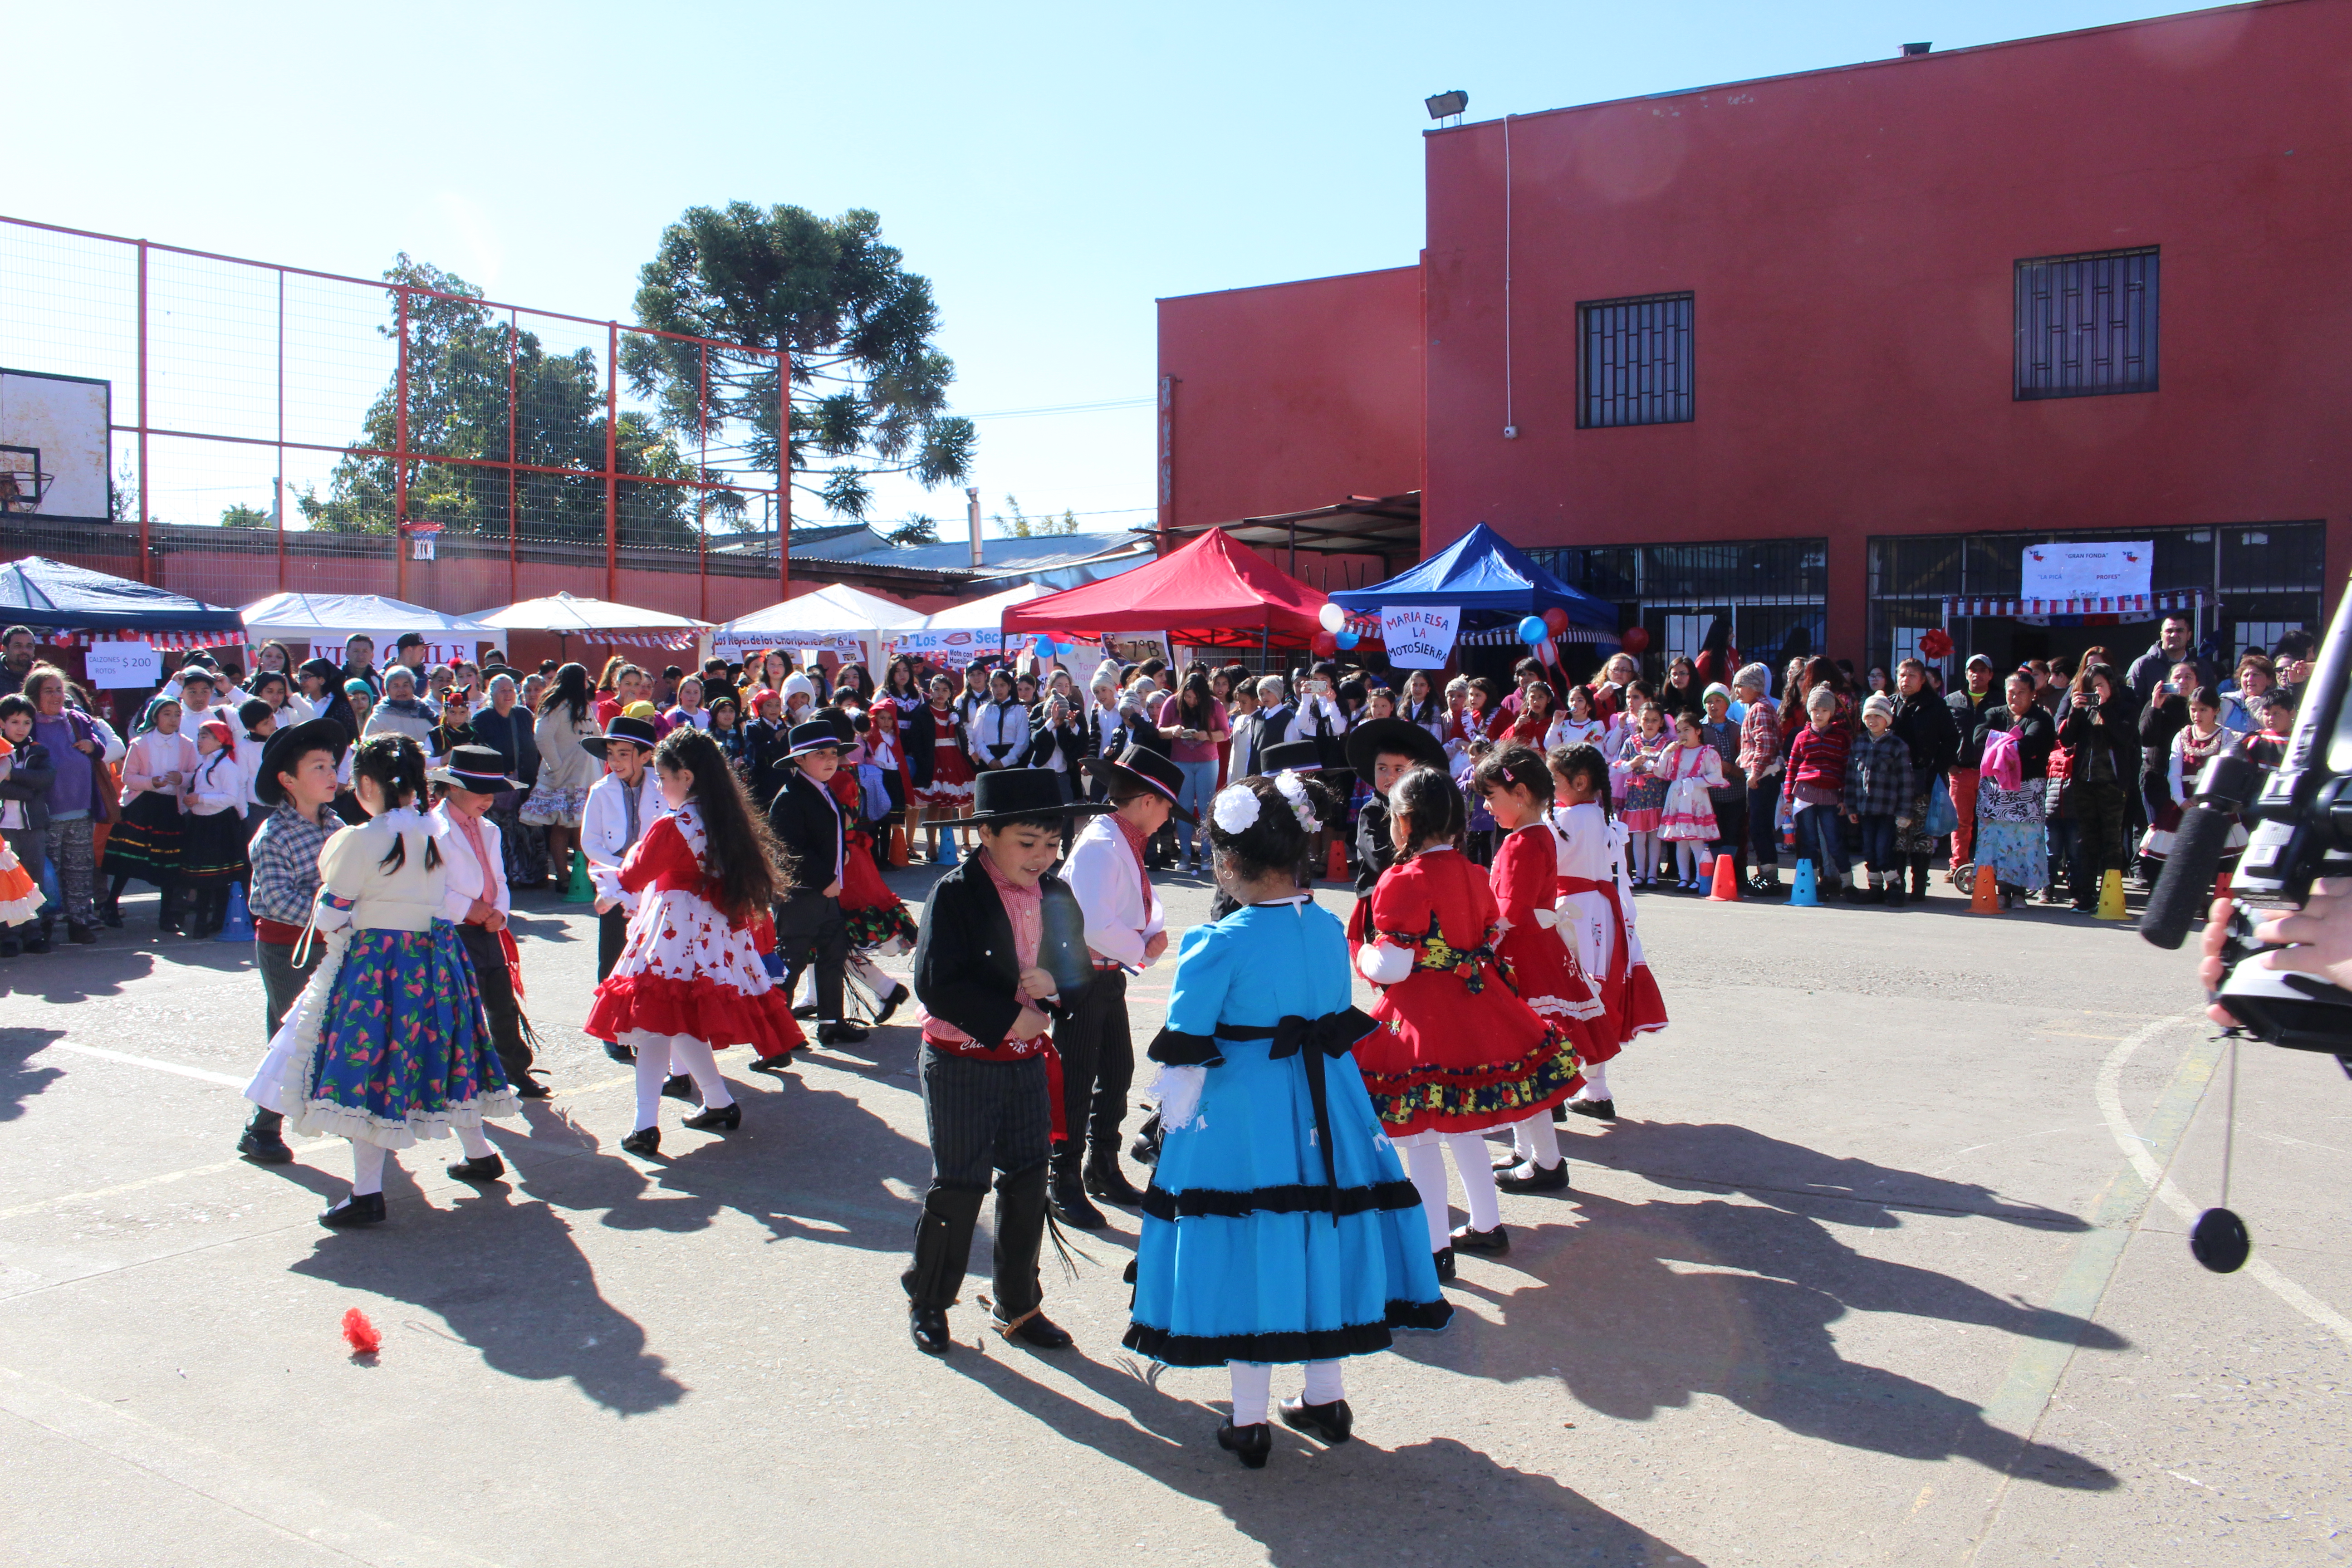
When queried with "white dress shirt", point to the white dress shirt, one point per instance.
{"points": [[468, 878], [1122, 910], [605, 835]]}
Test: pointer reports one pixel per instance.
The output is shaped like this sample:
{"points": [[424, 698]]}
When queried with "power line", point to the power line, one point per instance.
{"points": [[1065, 409]]}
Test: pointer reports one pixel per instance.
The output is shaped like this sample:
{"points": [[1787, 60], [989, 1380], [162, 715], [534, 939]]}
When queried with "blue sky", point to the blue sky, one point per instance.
{"points": [[1053, 168]]}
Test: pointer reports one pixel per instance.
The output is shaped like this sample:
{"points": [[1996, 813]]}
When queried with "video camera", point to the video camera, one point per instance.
{"points": [[2299, 819]]}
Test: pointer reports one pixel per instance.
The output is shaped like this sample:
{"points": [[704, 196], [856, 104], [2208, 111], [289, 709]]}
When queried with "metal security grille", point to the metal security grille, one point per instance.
{"points": [[1770, 592], [2086, 325], [1634, 367]]}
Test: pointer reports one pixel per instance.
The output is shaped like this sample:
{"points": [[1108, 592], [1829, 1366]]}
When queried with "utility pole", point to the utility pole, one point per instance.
{"points": [[972, 521]]}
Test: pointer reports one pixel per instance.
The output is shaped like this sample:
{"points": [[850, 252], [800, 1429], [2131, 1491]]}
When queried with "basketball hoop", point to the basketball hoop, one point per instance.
{"points": [[421, 536], [22, 482]]}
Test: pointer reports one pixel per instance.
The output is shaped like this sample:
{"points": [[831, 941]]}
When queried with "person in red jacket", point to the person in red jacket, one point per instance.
{"points": [[1815, 787]]}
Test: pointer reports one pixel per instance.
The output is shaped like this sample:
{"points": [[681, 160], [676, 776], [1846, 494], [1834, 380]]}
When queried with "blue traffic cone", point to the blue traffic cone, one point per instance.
{"points": [[577, 890], [1803, 894], [948, 848], [238, 925]]}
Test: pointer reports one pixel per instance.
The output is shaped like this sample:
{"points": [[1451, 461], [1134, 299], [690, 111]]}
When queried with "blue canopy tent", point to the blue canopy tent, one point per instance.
{"points": [[1494, 584], [71, 604]]}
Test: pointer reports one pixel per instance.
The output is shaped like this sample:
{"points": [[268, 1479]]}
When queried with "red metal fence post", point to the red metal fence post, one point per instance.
{"points": [[702, 477], [279, 509], [612, 463], [513, 577], [783, 472], [145, 573], [400, 459]]}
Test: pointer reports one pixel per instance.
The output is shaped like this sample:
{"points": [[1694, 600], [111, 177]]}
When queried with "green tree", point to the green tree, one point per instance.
{"points": [[916, 529], [1023, 526], [457, 373], [242, 516], [868, 386]]}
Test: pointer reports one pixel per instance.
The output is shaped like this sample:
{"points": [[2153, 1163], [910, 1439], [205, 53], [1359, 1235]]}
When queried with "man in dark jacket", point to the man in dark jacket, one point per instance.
{"points": [[17, 648], [810, 929], [2149, 669], [1978, 695], [1924, 725]]}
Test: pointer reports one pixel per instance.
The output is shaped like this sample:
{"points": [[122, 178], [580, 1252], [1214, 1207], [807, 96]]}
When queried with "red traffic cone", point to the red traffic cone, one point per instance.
{"points": [[898, 846], [1727, 882], [1986, 899], [1337, 868]]}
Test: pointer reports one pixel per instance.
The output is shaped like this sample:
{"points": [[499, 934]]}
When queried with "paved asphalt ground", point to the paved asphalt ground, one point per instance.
{"points": [[1884, 1264]]}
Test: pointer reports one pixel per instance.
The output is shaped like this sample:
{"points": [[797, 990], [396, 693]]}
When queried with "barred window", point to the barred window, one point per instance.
{"points": [[1634, 361], [2086, 325]]}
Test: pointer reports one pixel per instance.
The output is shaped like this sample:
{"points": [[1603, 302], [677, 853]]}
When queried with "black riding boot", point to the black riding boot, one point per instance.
{"points": [[1020, 1238], [942, 1245], [1068, 1190]]}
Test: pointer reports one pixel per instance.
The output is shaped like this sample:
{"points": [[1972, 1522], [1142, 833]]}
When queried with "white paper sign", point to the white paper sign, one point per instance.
{"points": [[1419, 637], [115, 665], [968, 641], [2103, 570]]}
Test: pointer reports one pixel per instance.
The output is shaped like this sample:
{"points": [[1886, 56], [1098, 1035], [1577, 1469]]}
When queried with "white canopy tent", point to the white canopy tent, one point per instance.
{"points": [[975, 627], [599, 620], [327, 621], [840, 619]]}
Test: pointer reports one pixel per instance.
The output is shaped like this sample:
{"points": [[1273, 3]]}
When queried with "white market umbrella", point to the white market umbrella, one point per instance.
{"points": [[330, 620], [601, 620], [835, 617]]}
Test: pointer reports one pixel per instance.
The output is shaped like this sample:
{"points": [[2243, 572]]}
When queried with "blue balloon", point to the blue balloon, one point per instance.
{"points": [[1533, 630], [1346, 639]]}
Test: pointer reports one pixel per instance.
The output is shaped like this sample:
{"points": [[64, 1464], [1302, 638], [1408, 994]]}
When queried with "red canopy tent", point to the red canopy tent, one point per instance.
{"points": [[1216, 591]]}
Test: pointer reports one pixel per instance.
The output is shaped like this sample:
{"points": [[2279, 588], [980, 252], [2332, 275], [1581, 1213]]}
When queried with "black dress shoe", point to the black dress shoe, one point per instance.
{"points": [[355, 1210], [38, 941], [1486, 1243], [110, 917], [646, 1141], [1533, 1178], [484, 1168], [1106, 1181], [1065, 1194], [839, 1034], [265, 1148], [778, 1065], [1598, 1109], [82, 934], [928, 1326], [1250, 1445], [678, 1086], [725, 1119], [889, 1006], [1036, 1330], [1443, 1259], [1333, 1423], [618, 1052], [805, 1010], [528, 1088]]}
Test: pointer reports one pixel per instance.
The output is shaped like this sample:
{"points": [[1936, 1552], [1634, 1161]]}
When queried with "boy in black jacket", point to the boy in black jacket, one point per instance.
{"points": [[25, 809], [1002, 939], [807, 821]]}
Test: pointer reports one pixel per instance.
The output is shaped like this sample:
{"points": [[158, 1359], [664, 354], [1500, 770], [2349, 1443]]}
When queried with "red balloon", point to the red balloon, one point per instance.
{"points": [[1635, 639], [1937, 643], [1326, 644], [1556, 619]]}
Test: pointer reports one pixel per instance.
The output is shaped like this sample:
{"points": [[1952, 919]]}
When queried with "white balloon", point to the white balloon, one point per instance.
{"points": [[1332, 616]]}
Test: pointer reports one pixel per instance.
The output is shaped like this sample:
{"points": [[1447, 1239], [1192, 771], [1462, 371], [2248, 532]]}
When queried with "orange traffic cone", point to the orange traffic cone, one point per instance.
{"points": [[1727, 882], [1337, 868], [898, 845], [1986, 900]]}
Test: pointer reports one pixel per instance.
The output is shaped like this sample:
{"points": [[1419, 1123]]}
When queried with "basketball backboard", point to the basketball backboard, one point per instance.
{"points": [[54, 440]]}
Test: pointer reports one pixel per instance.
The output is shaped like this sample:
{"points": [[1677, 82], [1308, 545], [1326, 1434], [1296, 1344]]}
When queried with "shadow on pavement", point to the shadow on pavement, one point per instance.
{"points": [[20, 1081], [1313, 1505], [1646, 1306]]}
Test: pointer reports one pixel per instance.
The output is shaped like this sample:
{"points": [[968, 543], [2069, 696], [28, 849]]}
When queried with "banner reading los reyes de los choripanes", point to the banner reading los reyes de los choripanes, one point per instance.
{"points": [[1419, 637]]}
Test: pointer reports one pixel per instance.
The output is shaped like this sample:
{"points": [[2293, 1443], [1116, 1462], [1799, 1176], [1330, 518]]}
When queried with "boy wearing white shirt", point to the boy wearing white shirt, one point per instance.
{"points": [[476, 902], [620, 808]]}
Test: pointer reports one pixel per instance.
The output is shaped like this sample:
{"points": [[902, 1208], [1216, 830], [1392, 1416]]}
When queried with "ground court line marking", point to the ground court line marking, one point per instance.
{"points": [[201, 1074]]}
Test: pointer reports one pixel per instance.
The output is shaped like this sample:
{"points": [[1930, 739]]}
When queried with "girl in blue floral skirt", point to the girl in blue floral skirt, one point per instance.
{"points": [[1279, 1226], [389, 1042]]}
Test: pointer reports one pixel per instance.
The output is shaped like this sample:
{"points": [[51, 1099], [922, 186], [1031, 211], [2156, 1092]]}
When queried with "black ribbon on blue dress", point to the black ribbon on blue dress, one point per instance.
{"points": [[1322, 1038]]}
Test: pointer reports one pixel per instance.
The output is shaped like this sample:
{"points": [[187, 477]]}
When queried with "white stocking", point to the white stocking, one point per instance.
{"points": [[1324, 1383], [694, 1055], [1537, 1139], [476, 1147], [1471, 1163], [367, 1168], [653, 1071], [1252, 1383], [869, 975], [1424, 1161], [1596, 1081]]}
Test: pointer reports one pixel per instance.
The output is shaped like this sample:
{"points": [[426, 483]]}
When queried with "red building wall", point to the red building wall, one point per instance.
{"points": [[1295, 395], [1850, 237]]}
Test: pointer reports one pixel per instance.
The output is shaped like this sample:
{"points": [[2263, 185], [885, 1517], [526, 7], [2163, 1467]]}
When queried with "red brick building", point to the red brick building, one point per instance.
{"points": [[1821, 351]]}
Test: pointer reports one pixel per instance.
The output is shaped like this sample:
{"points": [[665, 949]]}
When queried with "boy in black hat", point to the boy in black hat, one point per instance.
{"points": [[1382, 751], [476, 902], [621, 807], [806, 820], [1126, 931], [1002, 938], [297, 781]]}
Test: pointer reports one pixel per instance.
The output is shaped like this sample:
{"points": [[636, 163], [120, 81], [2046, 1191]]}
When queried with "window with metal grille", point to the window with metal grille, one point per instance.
{"points": [[2086, 325], [1634, 364]]}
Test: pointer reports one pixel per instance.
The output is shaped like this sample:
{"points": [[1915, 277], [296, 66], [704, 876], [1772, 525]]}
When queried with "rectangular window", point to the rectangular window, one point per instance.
{"points": [[2086, 325], [1634, 366]]}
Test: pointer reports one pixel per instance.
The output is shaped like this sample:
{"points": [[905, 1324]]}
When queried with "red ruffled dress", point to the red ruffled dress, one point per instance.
{"points": [[1455, 1050], [874, 915], [1595, 902], [1533, 951], [687, 969]]}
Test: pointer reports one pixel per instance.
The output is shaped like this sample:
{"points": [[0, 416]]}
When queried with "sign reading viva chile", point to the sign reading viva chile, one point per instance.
{"points": [[2086, 578], [1419, 637]]}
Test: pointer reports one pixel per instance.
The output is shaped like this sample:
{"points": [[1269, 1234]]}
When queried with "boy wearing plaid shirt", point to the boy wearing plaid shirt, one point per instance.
{"points": [[1878, 796], [297, 782]]}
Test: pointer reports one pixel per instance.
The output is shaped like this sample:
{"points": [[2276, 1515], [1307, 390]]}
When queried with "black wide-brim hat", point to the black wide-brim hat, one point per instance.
{"points": [[285, 745], [1146, 767], [476, 770], [637, 732], [1301, 757], [817, 735], [1008, 795], [1367, 740]]}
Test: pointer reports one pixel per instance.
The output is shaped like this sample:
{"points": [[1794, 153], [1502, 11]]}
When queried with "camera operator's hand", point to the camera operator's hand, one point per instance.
{"points": [[2321, 932]]}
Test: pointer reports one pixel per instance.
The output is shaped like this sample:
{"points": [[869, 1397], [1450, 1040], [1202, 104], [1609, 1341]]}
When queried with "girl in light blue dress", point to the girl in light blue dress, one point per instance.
{"points": [[1280, 1226]]}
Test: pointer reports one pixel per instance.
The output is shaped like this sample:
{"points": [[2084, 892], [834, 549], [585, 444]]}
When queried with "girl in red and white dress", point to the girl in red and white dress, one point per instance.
{"points": [[689, 978], [1457, 1051], [1596, 918], [1542, 967], [1689, 769], [938, 755]]}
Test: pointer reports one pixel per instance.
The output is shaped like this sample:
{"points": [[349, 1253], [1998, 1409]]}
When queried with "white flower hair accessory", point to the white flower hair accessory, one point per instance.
{"points": [[1292, 789], [1235, 808]]}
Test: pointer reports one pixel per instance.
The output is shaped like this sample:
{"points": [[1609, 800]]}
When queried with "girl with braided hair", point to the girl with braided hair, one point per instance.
{"points": [[389, 1042], [1595, 905]]}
